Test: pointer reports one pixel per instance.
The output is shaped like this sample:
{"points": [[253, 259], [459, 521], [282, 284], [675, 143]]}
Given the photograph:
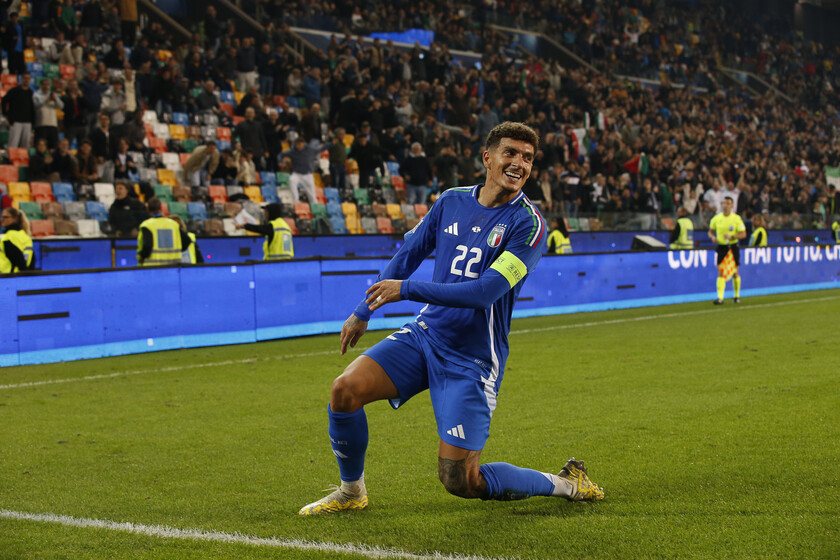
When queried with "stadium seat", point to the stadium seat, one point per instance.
{"points": [[218, 193], [223, 133], [227, 108], [200, 194], [379, 210], [214, 227], [408, 211], [369, 225], [361, 196], [234, 189], [8, 173], [178, 208], [365, 211], [52, 209], [181, 119], [223, 145], [19, 156], [67, 71], [177, 132], [268, 178], [332, 195], [269, 193], [96, 210], [32, 210], [88, 228], [182, 193], [171, 161], [150, 117], [42, 228], [197, 210], [9, 80], [338, 225], [157, 144], [166, 177], [66, 227], [163, 192], [421, 210], [384, 225], [74, 211], [303, 210], [104, 194], [41, 192], [334, 210], [318, 210], [189, 145], [398, 183], [283, 178], [353, 224], [63, 192], [19, 191], [319, 195], [389, 195], [394, 211], [410, 223], [253, 192], [399, 225]]}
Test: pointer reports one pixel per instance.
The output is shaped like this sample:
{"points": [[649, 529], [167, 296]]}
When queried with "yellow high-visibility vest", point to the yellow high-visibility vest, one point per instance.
{"points": [[166, 241]]}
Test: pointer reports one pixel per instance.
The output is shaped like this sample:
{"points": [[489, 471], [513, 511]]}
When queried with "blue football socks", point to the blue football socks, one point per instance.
{"points": [[349, 438], [508, 482]]}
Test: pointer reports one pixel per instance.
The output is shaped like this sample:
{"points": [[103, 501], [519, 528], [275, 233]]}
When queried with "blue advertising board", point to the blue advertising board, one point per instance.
{"points": [[59, 317]]}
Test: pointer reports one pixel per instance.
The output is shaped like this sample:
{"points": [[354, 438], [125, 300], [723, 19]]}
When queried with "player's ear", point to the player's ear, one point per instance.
{"points": [[486, 159]]}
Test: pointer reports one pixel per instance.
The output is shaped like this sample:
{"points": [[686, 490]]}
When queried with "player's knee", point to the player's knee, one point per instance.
{"points": [[457, 480], [344, 395]]}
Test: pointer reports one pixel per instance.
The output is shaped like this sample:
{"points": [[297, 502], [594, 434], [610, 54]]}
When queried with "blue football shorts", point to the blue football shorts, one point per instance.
{"points": [[457, 391]]}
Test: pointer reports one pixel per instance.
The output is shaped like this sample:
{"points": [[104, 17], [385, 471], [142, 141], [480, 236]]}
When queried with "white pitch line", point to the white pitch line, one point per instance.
{"points": [[168, 369], [162, 531], [328, 352]]}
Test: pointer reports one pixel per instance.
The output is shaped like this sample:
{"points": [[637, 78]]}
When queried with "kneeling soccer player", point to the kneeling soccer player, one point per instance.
{"points": [[487, 238]]}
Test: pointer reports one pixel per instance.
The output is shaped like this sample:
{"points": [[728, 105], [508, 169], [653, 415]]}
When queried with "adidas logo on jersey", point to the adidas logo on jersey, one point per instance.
{"points": [[457, 431], [453, 229]]}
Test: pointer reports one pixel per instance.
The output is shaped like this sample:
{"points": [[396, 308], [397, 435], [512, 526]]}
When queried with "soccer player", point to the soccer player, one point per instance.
{"points": [[487, 238], [725, 230]]}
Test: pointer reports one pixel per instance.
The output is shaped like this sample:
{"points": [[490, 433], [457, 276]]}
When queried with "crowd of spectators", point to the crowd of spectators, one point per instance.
{"points": [[611, 149]]}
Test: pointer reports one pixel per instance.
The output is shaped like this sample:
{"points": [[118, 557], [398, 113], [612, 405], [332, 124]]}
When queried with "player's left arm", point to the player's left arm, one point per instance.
{"points": [[520, 256]]}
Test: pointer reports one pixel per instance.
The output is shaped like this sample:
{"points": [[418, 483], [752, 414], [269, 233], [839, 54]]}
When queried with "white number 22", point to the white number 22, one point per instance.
{"points": [[463, 251]]}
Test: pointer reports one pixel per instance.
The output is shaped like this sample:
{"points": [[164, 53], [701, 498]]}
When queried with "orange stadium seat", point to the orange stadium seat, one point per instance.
{"points": [[8, 174], [19, 156], [42, 228]]}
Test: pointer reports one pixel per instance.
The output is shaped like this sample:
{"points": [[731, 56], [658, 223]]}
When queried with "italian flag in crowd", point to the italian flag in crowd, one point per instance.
{"points": [[580, 142], [832, 176], [638, 164], [600, 121]]}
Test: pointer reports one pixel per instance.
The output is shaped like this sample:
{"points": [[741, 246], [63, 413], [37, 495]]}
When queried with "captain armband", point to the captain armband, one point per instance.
{"points": [[511, 267]]}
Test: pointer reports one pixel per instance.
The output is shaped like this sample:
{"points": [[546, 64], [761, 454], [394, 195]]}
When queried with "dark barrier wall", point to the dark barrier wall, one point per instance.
{"points": [[48, 318], [74, 254]]}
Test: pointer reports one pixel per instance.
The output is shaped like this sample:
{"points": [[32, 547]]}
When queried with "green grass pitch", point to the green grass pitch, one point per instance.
{"points": [[715, 433]]}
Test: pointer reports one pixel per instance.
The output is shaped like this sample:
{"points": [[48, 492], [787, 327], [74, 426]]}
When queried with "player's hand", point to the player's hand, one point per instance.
{"points": [[351, 332], [384, 291]]}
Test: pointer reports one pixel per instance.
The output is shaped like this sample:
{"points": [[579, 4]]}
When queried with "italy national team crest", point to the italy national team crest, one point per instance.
{"points": [[495, 237]]}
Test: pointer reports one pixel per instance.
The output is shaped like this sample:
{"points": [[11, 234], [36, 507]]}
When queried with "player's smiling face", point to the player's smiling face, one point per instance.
{"points": [[509, 164]]}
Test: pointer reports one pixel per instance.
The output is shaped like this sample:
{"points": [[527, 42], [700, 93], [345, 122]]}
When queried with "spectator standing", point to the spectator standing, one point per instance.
{"points": [[128, 21], [266, 63], [246, 65], [75, 113], [311, 87], [338, 160], [252, 136], [63, 162], [92, 92], [417, 172], [123, 164], [114, 102], [274, 132], [47, 103], [303, 157], [14, 42], [92, 20], [19, 108], [127, 212], [368, 156], [310, 124]]}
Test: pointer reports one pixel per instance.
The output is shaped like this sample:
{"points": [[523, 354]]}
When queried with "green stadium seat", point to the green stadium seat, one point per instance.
{"points": [[319, 210], [189, 144], [32, 210], [282, 178], [164, 192], [361, 196], [179, 209]]}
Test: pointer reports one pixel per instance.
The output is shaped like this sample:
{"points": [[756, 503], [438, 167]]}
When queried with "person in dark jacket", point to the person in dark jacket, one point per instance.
{"points": [[41, 164], [252, 136], [19, 108], [127, 212], [14, 42], [417, 172]]}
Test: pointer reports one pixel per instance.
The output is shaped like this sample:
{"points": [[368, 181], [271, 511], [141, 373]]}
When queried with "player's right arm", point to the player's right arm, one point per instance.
{"points": [[712, 232], [351, 332]]}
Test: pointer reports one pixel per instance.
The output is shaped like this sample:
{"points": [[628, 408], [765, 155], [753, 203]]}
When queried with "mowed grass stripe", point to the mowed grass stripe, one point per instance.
{"points": [[165, 532], [169, 369]]}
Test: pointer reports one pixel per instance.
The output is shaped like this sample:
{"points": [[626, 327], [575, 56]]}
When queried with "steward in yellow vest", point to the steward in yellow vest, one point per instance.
{"points": [[558, 240], [682, 236], [278, 234], [161, 241], [759, 234], [16, 250], [835, 231]]}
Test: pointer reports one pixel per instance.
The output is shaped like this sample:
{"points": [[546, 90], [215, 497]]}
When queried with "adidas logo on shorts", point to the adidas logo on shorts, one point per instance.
{"points": [[457, 431]]}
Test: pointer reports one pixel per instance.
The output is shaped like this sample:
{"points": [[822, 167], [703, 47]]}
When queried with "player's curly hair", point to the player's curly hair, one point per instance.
{"points": [[514, 131]]}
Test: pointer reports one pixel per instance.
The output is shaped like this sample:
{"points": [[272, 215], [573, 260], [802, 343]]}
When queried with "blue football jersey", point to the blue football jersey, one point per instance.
{"points": [[469, 240]]}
